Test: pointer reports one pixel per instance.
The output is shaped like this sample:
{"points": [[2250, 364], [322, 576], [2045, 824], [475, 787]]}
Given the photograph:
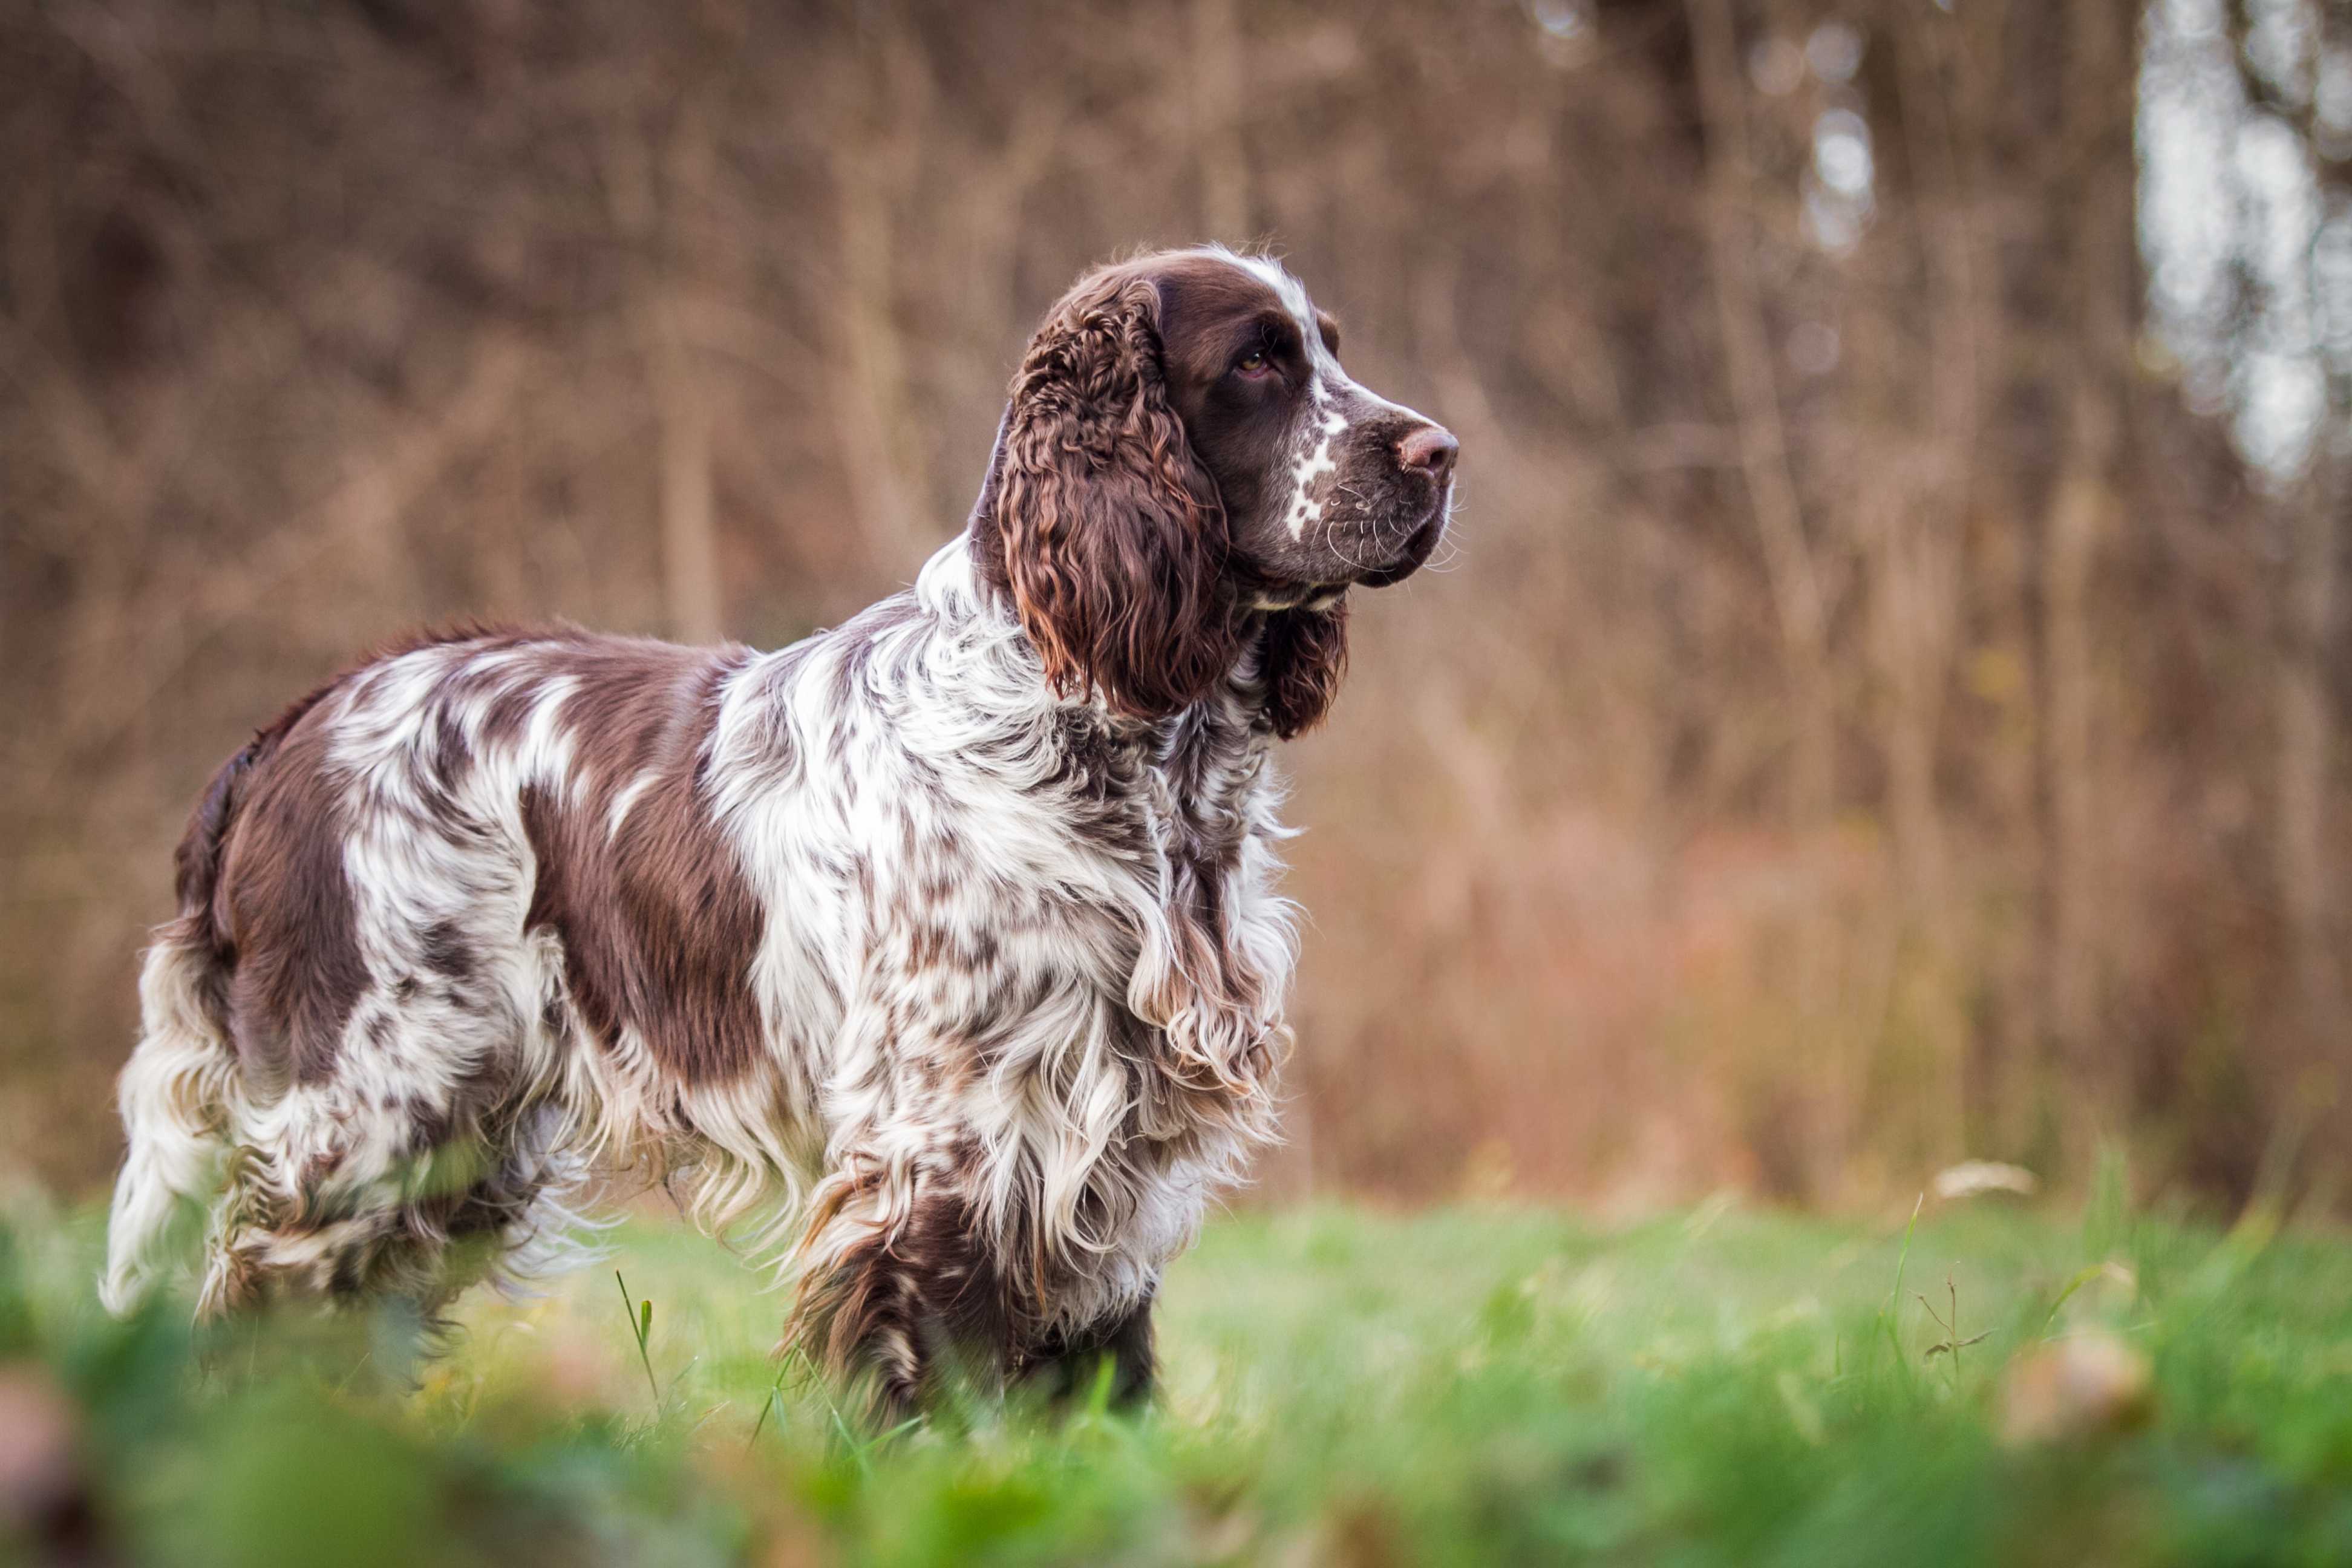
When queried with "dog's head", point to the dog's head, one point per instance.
{"points": [[1184, 467]]}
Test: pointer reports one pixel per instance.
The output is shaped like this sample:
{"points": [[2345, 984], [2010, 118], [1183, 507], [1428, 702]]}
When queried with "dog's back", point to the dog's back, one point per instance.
{"points": [[397, 908]]}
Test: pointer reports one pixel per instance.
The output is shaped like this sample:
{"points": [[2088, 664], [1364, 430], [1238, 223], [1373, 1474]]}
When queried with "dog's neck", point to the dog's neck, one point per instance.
{"points": [[1257, 604]]}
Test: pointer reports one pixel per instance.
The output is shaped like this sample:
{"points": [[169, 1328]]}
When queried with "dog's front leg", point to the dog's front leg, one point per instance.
{"points": [[897, 1282], [1069, 1368]]}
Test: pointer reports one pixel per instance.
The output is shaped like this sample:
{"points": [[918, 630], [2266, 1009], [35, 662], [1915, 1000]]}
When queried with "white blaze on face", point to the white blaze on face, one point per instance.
{"points": [[1311, 462], [1309, 468]]}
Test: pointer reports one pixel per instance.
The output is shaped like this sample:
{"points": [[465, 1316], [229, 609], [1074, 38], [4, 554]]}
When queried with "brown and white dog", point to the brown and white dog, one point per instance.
{"points": [[944, 941]]}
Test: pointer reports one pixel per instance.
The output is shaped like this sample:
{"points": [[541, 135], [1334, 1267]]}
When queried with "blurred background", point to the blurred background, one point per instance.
{"points": [[1888, 704]]}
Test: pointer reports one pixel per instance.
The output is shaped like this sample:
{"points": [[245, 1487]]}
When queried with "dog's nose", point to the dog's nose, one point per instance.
{"points": [[1431, 449]]}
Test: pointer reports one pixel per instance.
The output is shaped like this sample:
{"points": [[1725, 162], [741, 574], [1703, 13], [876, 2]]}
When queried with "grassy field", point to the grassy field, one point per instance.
{"points": [[1493, 1385]]}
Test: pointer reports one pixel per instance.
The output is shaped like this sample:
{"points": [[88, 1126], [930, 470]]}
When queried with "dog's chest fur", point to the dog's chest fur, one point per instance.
{"points": [[1053, 964]]}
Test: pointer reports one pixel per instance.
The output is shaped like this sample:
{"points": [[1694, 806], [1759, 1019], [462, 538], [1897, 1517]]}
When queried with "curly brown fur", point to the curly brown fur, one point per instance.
{"points": [[1114, 540]]}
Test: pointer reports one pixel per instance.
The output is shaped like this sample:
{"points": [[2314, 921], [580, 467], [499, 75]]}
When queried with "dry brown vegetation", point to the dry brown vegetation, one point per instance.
{"points": [[1871, 716]]}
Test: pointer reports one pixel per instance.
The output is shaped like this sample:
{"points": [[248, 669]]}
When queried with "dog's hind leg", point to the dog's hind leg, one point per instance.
{"points": [[325, 1215]]}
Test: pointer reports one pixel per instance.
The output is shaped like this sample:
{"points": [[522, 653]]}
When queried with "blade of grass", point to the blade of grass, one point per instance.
{"points": [[1891, 1316], [761, 1423], [641, 1326], [774, 1400], [1098, 1395], [2083, 1277]]}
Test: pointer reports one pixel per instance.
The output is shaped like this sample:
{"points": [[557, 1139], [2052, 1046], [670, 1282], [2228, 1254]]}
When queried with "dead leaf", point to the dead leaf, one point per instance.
{"points": [[2074, 1387]]}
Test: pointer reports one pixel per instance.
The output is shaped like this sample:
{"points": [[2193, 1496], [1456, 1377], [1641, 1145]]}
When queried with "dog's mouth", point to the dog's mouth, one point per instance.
{"points": [[1418, 548], [1272, 587]]}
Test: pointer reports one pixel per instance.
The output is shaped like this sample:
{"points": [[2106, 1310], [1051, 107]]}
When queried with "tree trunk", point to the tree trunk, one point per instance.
{"points": [[2092, 186], [1763, 440]]}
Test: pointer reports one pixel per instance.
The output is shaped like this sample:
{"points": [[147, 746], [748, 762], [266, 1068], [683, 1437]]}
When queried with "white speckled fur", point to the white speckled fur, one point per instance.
{"points": [[921, 725], [967, 974]]}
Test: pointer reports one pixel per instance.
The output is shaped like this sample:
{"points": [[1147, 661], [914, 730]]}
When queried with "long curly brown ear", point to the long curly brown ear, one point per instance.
{"points": [[1305, 654], [1113, 539]]}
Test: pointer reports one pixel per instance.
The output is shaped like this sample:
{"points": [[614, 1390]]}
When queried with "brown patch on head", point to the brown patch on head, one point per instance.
{"points": [[660, 926], [1212, 311]]}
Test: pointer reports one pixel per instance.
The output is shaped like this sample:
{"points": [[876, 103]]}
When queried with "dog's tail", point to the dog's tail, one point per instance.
{"points": [[174, 1097], [177, 1092]]}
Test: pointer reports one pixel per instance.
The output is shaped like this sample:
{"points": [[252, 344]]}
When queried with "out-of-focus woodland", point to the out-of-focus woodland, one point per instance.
{"points": [[1888, 704]]}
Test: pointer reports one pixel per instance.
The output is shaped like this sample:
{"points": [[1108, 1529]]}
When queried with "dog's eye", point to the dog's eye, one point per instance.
{"points": [[1253, 363]]}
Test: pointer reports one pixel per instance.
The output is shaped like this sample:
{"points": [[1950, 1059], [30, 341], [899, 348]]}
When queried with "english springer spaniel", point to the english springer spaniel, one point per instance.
{"points": [[944, 942]]}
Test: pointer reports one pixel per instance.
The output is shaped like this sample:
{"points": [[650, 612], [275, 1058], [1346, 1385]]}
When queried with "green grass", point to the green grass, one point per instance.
{"points": [[1341, 1386]]}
